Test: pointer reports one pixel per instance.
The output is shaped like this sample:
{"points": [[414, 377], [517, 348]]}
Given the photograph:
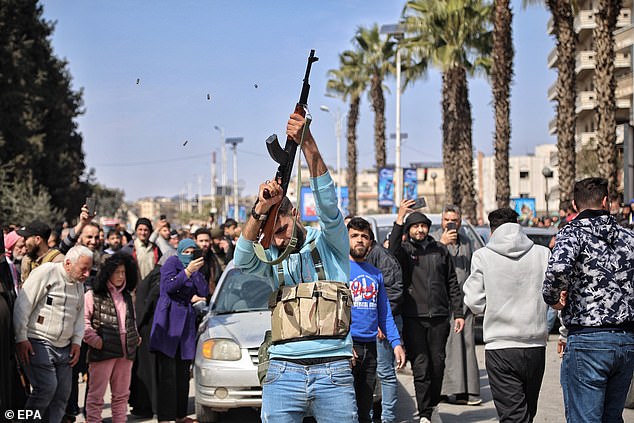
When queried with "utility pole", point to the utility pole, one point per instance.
{"points": [[234, 143], [213, 181], [200, 195], [338, 125], [223, 169]]}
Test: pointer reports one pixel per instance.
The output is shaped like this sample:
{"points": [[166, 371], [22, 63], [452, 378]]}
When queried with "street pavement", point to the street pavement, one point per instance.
{"points": [[550, 409]]}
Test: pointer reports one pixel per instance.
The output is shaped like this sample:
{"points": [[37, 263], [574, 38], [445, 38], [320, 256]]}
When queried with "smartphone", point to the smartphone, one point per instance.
{"points": [[419, 203], [91, 203], [198, 253], [163, 217], [451, 226]]}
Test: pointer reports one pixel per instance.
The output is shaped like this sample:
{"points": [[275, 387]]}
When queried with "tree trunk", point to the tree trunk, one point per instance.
{"points": [[465, 152], [457, 145], [563, 23], [605, 84], [502, 74], [378, 106], [351, 174], [450, 120]]}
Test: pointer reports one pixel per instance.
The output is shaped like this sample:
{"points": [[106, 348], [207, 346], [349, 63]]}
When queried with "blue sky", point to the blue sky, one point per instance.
{"points": [[181, 51]]}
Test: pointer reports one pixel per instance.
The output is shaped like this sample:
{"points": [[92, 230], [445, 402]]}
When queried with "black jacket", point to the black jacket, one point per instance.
{"points": [[429, 278], [383, 260]]}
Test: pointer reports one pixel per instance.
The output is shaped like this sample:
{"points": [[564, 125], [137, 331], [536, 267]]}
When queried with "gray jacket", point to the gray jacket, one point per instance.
{"points": [[461, 254]]}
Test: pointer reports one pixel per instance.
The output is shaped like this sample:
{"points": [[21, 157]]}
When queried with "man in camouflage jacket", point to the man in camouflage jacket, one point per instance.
{"points": [[590, 278]]}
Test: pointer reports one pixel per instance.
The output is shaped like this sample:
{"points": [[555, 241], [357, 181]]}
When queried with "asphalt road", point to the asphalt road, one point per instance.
{"points": [[550, 403]]}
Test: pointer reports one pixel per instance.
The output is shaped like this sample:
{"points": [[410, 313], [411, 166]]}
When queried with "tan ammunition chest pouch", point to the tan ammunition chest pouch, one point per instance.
{"points": [[310, 310]]}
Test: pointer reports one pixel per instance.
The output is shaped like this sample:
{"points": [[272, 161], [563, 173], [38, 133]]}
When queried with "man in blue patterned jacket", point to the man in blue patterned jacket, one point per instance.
{"points": [[590, 278]]}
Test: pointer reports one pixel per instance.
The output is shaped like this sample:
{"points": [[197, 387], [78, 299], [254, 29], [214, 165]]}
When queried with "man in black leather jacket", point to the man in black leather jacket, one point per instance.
{"points": [[429, 286]]}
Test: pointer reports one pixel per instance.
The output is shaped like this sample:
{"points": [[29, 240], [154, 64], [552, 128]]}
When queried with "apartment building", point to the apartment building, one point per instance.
{"points": [[526, 179], [586, 121]]}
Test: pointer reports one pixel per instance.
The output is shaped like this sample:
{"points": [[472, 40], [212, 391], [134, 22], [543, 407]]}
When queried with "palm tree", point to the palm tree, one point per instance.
{"points": [[563, 18], [501, 75], [605, 84], [453, 36], [348, 83], [377, 58]]}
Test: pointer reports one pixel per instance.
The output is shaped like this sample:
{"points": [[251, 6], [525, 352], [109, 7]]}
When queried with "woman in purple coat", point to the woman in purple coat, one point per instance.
{"points": [[173, 336]]}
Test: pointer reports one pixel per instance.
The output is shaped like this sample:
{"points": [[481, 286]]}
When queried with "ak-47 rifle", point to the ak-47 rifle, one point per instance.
{"points": [[285, 157]]}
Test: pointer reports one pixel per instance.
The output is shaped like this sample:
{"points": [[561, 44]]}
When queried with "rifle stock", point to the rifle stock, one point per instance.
{"points": [[285, 158]]}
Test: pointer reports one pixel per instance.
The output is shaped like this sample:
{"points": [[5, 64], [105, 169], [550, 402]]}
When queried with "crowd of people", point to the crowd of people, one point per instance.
{"points": [[121, 310], [112, 309], [435, 287]]}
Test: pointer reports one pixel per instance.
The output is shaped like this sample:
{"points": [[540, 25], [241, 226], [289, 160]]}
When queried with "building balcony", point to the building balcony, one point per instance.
{"points": [[623, 38], [552, 58], [586, 100], [624, 86], [586, 60], [585, 20], [552, 92], [585, 138], [552, 126]]}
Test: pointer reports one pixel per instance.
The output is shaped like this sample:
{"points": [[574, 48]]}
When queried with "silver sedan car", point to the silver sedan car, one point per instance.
{"points": [[226, 363]]}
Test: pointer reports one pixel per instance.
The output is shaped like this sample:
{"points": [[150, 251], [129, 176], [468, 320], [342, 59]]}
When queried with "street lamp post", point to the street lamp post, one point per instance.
{"points": [[338, 125], [397, 31], [223, 170], [548, 173], [234, 143], [433, 183]]}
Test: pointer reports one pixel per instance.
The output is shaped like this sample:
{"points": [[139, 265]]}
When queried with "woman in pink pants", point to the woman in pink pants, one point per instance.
{"points": [[112, 337]]}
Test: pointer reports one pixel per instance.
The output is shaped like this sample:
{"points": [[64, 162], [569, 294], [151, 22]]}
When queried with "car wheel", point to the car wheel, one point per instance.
{"points": [[206, 414]]}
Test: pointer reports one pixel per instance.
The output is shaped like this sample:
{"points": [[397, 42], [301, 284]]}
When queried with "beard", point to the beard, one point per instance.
{"points": [[31, 252], [358, 252]]}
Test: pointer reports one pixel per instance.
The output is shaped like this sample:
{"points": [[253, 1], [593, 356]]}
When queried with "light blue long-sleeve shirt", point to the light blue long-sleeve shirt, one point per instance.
{"points": [[333, 245]]}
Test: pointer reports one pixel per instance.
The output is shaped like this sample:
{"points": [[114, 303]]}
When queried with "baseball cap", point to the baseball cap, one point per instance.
{"points": [[35, 228]]}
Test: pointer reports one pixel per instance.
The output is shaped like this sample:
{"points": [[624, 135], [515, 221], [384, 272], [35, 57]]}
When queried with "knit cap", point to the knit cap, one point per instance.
{"points": [[414, 218]]}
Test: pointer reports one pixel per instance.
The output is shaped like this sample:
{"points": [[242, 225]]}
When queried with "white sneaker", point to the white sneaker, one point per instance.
{"points": [[435, 416], [424, 420]]}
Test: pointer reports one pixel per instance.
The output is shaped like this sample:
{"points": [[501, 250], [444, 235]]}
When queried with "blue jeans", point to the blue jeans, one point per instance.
{"points": [[50, 375], [596, 372], [325, 391], [386, 374]]}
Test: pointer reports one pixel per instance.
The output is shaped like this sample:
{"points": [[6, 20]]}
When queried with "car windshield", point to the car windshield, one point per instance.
{"points": [[241, 292]]}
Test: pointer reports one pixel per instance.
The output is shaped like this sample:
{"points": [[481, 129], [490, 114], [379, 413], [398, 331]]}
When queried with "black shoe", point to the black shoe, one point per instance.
{"points": [[141, 414]]}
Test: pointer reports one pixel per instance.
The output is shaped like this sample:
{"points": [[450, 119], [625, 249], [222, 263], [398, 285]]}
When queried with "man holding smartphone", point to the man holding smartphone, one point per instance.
{"points": [[461, 383], [431, 294]]}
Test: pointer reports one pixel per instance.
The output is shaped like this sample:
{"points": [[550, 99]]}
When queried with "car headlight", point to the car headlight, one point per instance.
{"points": [[221, 349]]}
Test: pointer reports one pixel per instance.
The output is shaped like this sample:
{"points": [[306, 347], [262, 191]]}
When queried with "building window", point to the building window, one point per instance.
{"points": [[523, 174], [524, 195]]}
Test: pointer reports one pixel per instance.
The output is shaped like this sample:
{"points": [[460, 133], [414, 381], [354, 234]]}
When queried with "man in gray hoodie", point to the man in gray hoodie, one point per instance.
{"points": [[505, 284]]}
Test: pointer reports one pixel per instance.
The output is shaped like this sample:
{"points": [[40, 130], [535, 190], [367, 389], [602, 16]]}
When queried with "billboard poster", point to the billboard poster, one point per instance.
{"points": [[386, 187], [525, 207], [410, 184], [242, 213], [344, 201], [309, 208]]}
